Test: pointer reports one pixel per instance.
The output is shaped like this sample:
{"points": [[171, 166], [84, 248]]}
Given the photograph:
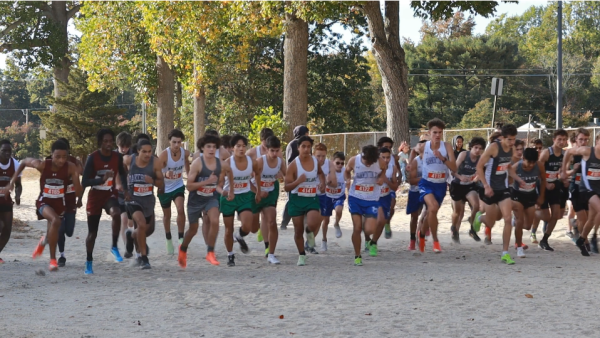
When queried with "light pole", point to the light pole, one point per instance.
{"points": [[559, 69]]}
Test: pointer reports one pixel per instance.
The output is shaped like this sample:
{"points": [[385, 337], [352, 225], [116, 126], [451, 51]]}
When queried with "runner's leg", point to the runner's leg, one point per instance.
{"points": [[180, 217], [6, 221]]}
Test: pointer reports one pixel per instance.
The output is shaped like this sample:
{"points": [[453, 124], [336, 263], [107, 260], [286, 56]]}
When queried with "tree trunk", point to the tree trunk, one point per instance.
{"points": [[61, 70], [295, 78], [165, 104], [199, 114], [391, 62]]}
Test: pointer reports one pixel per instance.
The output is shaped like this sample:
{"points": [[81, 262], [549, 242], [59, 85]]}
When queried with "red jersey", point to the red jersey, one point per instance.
{"points": [[53, 185], [99, 194], [5, 177]]}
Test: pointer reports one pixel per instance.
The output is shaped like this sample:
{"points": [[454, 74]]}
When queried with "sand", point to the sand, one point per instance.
{"points": [[463, 292]]}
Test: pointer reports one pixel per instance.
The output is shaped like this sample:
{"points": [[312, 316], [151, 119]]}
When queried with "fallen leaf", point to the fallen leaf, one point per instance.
{"points": [[431, 280], [281, 317], [77, 237], [471, 319], [139, 323], [367, 314], [292, 333], [528, 295]]}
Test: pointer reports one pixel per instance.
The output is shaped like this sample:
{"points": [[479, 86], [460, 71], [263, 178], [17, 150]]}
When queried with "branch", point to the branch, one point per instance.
{"points": [[11, 27], [375, 21], [71, 13], [9, 47]]}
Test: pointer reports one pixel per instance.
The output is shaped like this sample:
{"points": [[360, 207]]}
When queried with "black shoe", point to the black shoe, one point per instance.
{"points": [[146, 266], [231, 260], [474, 235], [455, 236], [544, 246], [61, 262], [127, 254], [242, 243], [594, 244], [580, 244], [283, 227], [129, 244], [312, 251]]}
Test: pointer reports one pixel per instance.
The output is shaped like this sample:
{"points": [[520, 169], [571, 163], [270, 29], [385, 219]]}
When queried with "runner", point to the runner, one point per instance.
{"points": [[386, 198], [50, 205], [205, 182], [241, 168], [124, 148], [336, 196], [438, 157], [386, 142], [174, 161], [526, 193], [8, 167], [537, 144], [464, 188], [320, 152], [414, 206], [557, 194], [571, 221], [291, 152], [144, 172], [496, 158], [266, 169], [101, 168], [226, 143], [302, 180], [222, 153]]}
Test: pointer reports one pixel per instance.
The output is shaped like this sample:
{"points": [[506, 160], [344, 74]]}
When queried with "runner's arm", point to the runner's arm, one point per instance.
{"points": [[543, 181], [290, 181], [186, 162], [332, 176], [74, 173], [349, 168], [257, 168], [27, 162], [512, 172], [490, 152], [393, 183], [451, 161], [88, 171], [159, 180], [413, 173], [459, 160]]}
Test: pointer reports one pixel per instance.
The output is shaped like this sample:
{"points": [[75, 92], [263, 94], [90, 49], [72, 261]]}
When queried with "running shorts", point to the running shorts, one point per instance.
{"points": [[527, 200], [95, 209], [580, 200], [368, 209], [499, 196], [241, 203], [459, 192], [195, 210], [269, 201], [413, 204], [328, 204], [556, 196], [438, 190], [385, 203], [300, 206], [166, 198]]}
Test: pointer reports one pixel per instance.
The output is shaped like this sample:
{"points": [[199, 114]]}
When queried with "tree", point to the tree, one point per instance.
{"points": [[35, 33], [453, 27], [480, 116]]}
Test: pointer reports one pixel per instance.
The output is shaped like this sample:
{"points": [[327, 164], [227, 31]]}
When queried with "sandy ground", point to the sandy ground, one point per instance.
{"points": [[463, 292]]}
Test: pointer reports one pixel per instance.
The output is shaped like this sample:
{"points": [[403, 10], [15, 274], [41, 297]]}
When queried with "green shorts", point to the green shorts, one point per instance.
{"points": [[166, 198], [241, 202], [299, 206], [269, 201]]}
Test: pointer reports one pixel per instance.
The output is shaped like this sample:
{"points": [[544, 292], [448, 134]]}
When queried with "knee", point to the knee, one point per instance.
{"points": [[180, 211]]}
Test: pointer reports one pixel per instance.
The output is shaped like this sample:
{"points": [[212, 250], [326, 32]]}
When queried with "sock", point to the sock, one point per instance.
{"points": [[413, 236], [168, 234], [210, 248], [373, 242], [504, 253], [324, 240], [182, 248], [308, 231], [545, 238], [303, 253], [138, 255], [145, 259], [180, 235], [89, 257], [359, 256], [545, 225], [266, 245], [62, 254], [230, 253], [421, 234], [242, 233]]}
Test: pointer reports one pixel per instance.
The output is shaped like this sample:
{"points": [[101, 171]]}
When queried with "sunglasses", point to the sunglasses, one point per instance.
{"points": [[538, 148], [339, 163]]}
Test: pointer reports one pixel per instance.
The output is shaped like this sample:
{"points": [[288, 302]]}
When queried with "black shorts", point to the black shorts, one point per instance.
{"points": [[557, 196], [459, 192], [527, 200], [122, 207], [133, 208], [6, 208], [499, 196], [580, 199]]}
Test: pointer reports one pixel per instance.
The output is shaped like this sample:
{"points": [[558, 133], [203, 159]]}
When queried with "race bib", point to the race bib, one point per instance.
{"points": [[551, 176], [142, 189], [593, 174], [528, 187], [267, 185], [436, 176], [471, 179], [385, 190], [53, 191], [501, 168], [173, 175], [106, 185], [577, 177], [207, 191], [307, 191], [333, 191], [364, 190], [70, 189], [238, 186]]}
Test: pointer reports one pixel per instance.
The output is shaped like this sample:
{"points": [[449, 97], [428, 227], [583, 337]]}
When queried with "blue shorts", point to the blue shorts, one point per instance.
{"points": [[362, 207], [413, 204], [393, 194], [438, 190], [386, 205], [328, 204]]}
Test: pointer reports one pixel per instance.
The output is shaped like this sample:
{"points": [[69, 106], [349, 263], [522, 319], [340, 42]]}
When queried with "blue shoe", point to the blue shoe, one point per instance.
{"points": [[88, 268], [115, 252]]}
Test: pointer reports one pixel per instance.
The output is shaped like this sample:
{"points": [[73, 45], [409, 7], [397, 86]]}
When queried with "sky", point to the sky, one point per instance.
{"points": [[409, 25]]}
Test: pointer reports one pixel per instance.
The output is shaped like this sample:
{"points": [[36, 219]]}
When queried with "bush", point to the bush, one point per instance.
{"points": [[268, 119]]}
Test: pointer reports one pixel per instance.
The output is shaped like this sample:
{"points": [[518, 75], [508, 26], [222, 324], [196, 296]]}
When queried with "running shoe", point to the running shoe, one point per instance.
{"points": [[594, 244], [569, 234], [259, 236], [53, 265], [544, 246], [373, 250], [587, 246], [367, 244], [324, 246], [62, 261], [170, 248], [115, 252], [411, 245], [388, 231], [523, 245], [533, 238], [272, 260], [301, 260], [231, 260], [310, 238], [581, 245], [241, 242], [39, 249], [312, 250], [575, 231], [146, 266], [127, 255], [436, 247], [129, 244], [477, 222], [88, 268], [474, 235], [266, 252], [520, 252], [338, 231], [455, 235], [212, 258], [1, 261], [507, 259], [182, 259], [421, 242], [358, 261]]}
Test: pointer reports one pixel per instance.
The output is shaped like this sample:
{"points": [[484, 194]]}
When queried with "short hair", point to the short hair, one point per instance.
{"points": [[5, 141], [212, 132], [495, 135], [582, 131], [560, 132], [340, 155], [225, 140], [124, 139], [519, 143], [176, 133], [212, 139], [59, 145], [65, 141], [273, 142], [530, 154], [142, 136], [509, 130], [141, 143], [537, 141], [265, 133], [320, 147], [573, 137], [236, 138], [477, 141], [304, 138], [384, 150], [100, 135], [383, 140], [436, 123], [370, 154]]}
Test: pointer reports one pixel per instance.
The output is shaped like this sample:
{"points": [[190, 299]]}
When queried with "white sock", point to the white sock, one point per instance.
{"points": [[271, 255], [138, 255], [62, 254], [504, 253], [230, 253]]}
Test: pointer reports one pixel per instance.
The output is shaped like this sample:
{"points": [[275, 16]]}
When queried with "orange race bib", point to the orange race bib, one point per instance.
{"points": [[240, 185], [206, 191], [577, 177], [173, 175], [528, 187], [142, 189], [593, 174], [53, 191], [551, 175], [310, 191], [333, 191], [501, 168], [106, 185], [267, 184], [385, 191]]}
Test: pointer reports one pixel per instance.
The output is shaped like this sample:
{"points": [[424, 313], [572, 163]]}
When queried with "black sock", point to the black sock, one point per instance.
{"points": [[359, 256], [145, 259], [168, 234], [545, 238], [266, 245], [210, 248], [372, 242], [308, 231], [242, 233], [422, 234], [303, 253], [89, 257], [182, 248], [180, 235], [413, 236]]}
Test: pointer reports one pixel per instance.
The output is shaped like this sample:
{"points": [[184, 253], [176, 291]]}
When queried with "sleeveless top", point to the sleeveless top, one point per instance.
{"points": [[496, 169], [415, 188], [101, 167], [6, 174], [530, 177], [385, 189], [241, 178], [142, 193], [70, 196], [308, 188], [325, 169], [173, 172], [591, 172], [434, 170], [53, 185], [467, 168], [575, 181], [268, 176], [205, 192], [340, 190], [364, 185], [553, 165]]}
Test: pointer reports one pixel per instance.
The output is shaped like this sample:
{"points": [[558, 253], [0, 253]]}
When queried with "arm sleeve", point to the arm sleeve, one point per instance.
{"points": [[88, 171], [122, 172]]}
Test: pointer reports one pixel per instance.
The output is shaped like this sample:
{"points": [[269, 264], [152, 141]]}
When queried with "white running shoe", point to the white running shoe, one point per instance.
{"points": [[272, 260], [324, 246], [338, 231], [521, 252]]}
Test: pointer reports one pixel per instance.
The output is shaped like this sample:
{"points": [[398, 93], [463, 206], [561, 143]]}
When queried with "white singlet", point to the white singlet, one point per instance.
{"points": [[434, 170], [307, 188], [364, 185], [241, 179]]}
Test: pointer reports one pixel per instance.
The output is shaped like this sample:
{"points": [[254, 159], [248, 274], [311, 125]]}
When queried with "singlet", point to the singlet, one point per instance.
{"points": [[142, 193], [101, 167], [385, 189], [173, 172], [496, 169], [258, 152], [434, 170], [364, 185], [308, 188], [70, 196], [120, 194], [6, 173], [591, 172], [325, 169], [553, 165], [53, 185], [241, 178], [415, 188], [205, 192], [467, 168], [575, 181], [268, 176], [340, 190], [530, 177]]}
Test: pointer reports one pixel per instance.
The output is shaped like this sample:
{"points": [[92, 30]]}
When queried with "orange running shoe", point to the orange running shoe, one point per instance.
{"points": [[421, 242], [436, 247], [488, 232], [212, 259], [53, 265], [39, 249], [412, 245], [182, 258], [1, 261], [523, 245]]}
